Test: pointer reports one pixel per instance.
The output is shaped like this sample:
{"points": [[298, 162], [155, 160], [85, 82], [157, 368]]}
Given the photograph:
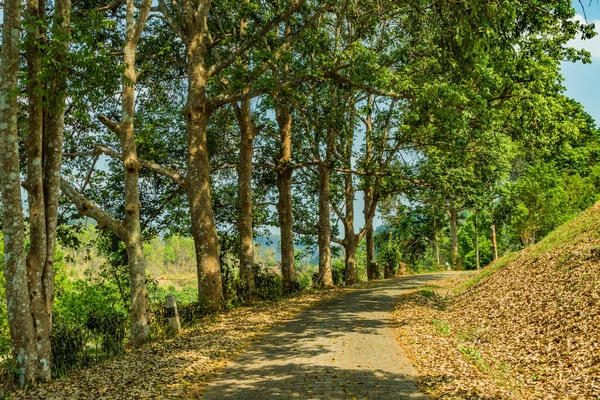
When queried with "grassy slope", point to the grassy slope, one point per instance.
{"points": [[527, 327]]}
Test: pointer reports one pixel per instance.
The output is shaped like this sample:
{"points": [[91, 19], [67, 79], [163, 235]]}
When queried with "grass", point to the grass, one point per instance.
{"points": [[442, 328], [489, 270]]}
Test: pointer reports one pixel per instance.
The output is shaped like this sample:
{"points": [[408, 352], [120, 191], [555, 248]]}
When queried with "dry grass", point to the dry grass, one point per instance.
{"points": [[529, 330]]}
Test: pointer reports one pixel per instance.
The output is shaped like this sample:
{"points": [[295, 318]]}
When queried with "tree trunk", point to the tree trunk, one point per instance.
{"points": [[53, 142], [36, 257], [21, 326], [204, 230], [453, 212], [325, 272], [350, 246], [476, 240], [245, 225], [350, 238], [245, 222], [284, 204], [140, 330], [372, 268], [494, 243]]}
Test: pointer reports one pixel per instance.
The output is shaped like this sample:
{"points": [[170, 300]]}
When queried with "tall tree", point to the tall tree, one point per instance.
{"points": [[17, 292], [129, 229]]}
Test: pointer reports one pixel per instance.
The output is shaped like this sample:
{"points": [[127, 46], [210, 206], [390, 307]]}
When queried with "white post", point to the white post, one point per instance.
{"points": [[174, 326]]}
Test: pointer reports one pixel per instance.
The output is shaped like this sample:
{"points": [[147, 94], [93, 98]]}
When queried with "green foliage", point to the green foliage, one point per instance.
{"points": [[269, 285], [390, 254], [68, 340], [466, 241], [442, 327], [108, 325], [338, 271]]}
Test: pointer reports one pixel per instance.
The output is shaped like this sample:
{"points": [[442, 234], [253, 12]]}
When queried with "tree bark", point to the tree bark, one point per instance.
{"points": [[129, 230], [350, 246], [453, 213], [475, 224], [53, 142], [204, 230], [369, 201], [325, 272], [245, 224], [245, 216], [36, 257], [350, 237], [436, 240], [370, 205], [494, 243], [284, 204], [140, 328], [21, 326]]}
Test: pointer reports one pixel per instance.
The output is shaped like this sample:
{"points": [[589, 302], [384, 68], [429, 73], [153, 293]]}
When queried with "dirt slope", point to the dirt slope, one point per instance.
{"points": [[529, 326], [540, 313]]}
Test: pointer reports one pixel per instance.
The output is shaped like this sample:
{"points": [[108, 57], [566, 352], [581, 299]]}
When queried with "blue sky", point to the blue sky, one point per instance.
{"points": [[583, 81]]}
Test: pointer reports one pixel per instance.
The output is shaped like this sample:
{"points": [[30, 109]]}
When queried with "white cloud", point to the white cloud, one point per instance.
{"points": [[591, 45]]}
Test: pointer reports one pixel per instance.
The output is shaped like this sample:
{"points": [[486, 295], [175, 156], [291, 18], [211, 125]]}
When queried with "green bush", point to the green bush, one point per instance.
{"points": [[305, 280], [268, 284], [338, 272], [68, 345], [108, 325]]}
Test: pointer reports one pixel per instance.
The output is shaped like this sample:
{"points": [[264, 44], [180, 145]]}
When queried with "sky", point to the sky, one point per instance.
{"points": [[583, 81]]}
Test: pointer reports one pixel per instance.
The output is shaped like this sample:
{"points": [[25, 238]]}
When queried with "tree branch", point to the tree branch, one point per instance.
{"points": [[216, 68], [87, 208], [152, 166]]}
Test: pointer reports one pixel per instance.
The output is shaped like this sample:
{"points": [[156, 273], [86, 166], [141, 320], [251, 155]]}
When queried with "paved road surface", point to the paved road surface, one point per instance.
{"points": [[343, 348]]}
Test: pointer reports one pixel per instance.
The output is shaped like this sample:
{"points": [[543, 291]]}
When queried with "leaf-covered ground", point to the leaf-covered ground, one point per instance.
{"points": [[176, 368], [527, 328]]}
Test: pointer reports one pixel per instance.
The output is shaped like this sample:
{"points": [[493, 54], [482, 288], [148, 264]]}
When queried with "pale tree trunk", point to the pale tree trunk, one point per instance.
{"points": [[204, 230], [245, 211], [136, 261], [436, 240], [350, 237], [190, 21], [325, 272], [453, 213], [245, 225], [21, 326], [129, 230], [370, 206], [284, 205], [372, 268], [494, 243], [476, 226], [369, 201], [350, 246], [36, 257], [53, 141]]}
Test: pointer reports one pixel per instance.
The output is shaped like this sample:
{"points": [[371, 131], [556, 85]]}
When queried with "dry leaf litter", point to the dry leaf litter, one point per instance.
{"points": [[177, 368], [530, 329]]}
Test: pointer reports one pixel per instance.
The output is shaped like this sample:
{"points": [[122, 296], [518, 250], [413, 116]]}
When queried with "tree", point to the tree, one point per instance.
{"points": [[129, 229]]}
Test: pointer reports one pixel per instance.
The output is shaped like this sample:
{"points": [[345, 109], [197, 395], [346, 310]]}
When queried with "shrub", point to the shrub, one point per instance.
{"points": [[68, 345], [269, 285], [338, 271], [109, 326]]}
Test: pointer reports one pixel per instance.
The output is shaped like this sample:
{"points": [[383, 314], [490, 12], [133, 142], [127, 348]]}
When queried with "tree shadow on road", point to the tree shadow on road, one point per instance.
{"points": [[295, 381]]}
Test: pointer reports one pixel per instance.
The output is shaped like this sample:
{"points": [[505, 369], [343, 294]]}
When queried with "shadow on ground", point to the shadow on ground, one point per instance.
{"points": [[315, 383], [340, 349]]}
